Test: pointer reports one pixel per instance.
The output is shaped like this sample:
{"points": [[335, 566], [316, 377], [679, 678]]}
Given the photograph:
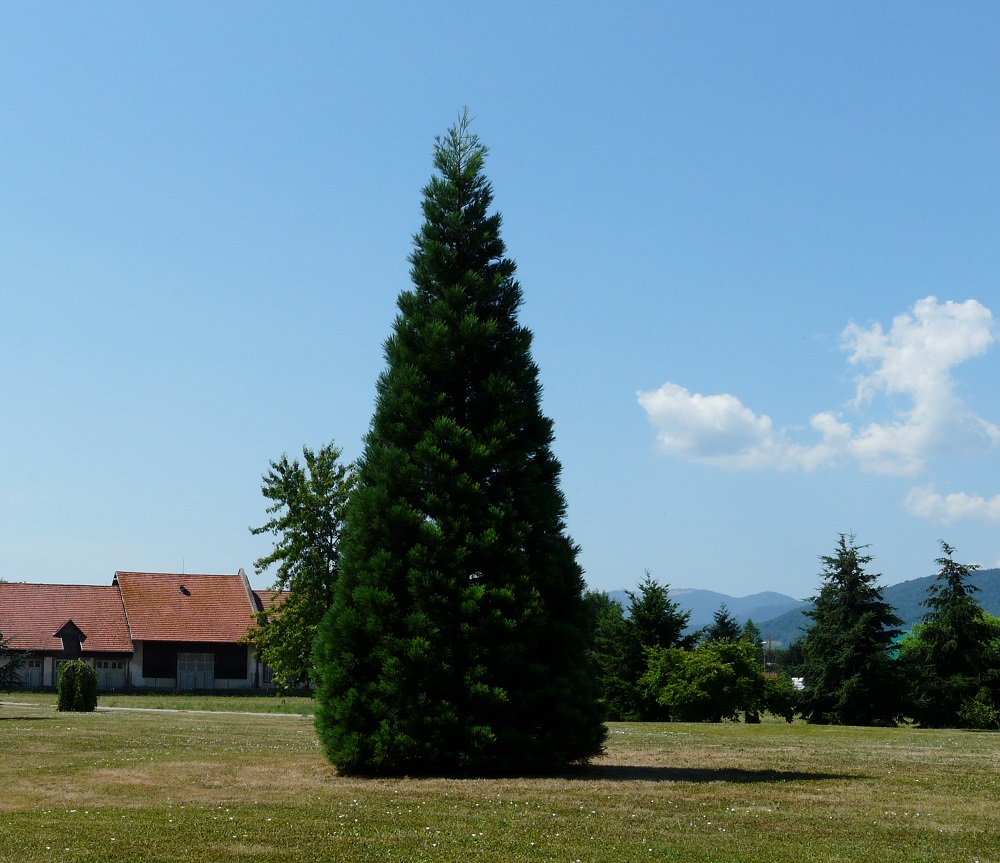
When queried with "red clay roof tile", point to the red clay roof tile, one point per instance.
{"points": [[164, 606], [268, 598], [31, 614]]}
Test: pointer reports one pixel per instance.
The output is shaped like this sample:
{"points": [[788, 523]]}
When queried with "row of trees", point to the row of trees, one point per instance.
{"points": [[653, 669], [857, 670], [946, 672], [855, 667]]}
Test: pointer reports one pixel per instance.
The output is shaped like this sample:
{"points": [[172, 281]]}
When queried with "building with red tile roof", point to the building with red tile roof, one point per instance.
{"points": [[30, 614], [145, 630], [60, 622], [163, 606]]}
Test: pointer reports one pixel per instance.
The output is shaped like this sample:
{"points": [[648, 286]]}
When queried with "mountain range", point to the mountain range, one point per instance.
{"points": [[781, 618], [702, 604], [905, 597]]}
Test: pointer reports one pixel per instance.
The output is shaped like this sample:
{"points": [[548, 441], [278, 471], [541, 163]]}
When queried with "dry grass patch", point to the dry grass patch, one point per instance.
{"points": [[196, 787]]}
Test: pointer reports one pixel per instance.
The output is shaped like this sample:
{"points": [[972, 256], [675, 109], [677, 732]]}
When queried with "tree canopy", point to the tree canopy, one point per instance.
{"points": [[457, 640], [716, 680]]}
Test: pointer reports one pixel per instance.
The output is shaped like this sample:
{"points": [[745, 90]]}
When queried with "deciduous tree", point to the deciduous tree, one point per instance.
{"points": [[307, 516], [457, 641], [717, 680]]}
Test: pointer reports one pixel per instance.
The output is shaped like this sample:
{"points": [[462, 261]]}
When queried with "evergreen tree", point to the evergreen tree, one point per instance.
{"points": [[621, 662], [724, 626], [599, 605], [11, 662], [457, 641], [307, 516], [849, 676], [622, 644], [656, 619], [751, 632], [952, 658], [77, 687]]}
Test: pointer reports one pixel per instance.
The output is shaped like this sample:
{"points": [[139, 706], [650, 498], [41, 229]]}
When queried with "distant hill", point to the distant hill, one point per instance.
{"points": [[905, 597], [704, 603]]}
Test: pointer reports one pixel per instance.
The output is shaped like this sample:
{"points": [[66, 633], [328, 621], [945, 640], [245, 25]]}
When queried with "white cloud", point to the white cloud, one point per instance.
{"points": [[717, 430], [914, 360], [924, 502], [720, 430]]}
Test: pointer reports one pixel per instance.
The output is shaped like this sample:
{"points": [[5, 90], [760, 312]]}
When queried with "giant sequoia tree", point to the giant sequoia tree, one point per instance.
{"points": [[457, 639]]}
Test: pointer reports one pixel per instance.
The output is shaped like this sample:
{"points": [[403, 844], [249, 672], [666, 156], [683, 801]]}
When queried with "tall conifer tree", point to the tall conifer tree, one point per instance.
{"points": [[457, 641], [954, 656], [850, 678]]}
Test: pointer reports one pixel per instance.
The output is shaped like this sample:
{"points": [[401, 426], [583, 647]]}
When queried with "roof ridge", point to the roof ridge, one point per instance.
{"points": [[121, 599], [250, 594]]}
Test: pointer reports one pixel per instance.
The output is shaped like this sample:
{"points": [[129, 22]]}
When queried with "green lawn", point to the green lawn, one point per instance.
{"points": [[183, 701], [191, 786]]}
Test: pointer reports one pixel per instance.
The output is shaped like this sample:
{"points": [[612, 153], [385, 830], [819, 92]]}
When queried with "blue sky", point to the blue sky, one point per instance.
{"points": [[757, 243]]}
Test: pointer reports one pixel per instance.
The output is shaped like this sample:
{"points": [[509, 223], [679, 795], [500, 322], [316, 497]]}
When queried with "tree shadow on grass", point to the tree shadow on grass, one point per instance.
{"points": [[26, 718], [627, 773]]}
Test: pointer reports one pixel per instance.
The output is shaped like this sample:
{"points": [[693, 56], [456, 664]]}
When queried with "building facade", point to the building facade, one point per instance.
{"points": [[146, 630]]}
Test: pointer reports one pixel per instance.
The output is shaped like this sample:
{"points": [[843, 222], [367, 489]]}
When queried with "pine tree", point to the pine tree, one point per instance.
{"points": [[11, 662], [849, 676], [623, 642], [457, 642], [658, 621], [724, 626], [952, 658]]}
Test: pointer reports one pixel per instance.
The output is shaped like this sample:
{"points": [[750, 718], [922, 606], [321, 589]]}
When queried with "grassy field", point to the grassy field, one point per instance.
{"points": [[183, 701], [125, 785]]}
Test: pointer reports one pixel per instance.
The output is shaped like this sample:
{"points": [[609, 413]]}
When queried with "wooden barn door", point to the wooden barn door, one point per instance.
{"points": [[110, 673], [31, 673], [195, 670]]}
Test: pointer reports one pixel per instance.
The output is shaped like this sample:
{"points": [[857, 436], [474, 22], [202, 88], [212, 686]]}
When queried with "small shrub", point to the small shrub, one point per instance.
{"points": [[77, 691]]}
